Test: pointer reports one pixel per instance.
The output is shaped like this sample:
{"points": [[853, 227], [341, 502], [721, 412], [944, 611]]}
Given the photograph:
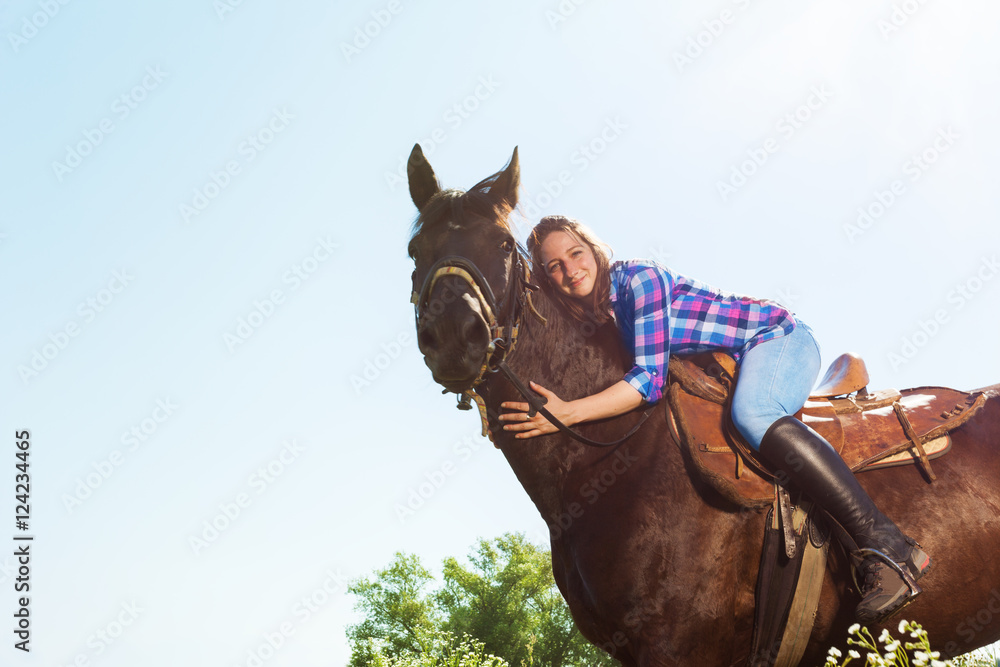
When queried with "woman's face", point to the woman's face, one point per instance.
{"points": [[569, 263]]}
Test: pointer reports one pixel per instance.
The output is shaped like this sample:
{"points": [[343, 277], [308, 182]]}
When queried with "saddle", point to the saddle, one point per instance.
{"points": [[869, 430]]}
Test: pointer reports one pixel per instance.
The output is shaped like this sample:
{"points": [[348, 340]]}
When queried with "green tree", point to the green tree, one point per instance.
{"points": [[505, 598], [442, 649], [399, 614]]}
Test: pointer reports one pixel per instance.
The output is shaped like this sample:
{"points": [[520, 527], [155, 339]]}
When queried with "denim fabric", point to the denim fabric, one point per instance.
{"points": [[774, 381]]}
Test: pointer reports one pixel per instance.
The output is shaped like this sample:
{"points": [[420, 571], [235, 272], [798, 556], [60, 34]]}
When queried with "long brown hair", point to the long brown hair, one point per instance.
{"points": [[598, 306]]}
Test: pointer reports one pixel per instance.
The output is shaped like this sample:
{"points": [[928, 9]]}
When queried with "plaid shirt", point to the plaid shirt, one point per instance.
{"points": [[659, 311]]}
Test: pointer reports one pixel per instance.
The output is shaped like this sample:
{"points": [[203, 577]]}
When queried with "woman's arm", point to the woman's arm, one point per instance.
{"points": [[647, 296], [617, 399]]}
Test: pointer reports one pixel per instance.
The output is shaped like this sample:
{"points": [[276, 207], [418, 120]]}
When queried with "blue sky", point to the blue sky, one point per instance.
{"points": [[203, 242]]}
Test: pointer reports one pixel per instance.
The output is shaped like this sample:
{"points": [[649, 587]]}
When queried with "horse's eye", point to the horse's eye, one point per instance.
{"points": [[507, 246]]}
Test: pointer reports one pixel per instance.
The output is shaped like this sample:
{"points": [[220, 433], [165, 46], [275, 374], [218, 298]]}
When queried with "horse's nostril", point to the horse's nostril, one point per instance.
{"points": [[426, 340]]}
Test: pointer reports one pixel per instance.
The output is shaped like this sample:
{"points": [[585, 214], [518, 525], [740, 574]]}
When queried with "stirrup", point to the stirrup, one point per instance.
{"points": [[858, 558]]}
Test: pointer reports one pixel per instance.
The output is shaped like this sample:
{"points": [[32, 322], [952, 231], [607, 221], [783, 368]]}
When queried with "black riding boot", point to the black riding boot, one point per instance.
{"points": [[815, 467]]}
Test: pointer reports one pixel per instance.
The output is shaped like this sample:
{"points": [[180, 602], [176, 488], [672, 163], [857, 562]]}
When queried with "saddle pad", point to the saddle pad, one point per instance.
{"points": [[875, 435], [935, 448]]}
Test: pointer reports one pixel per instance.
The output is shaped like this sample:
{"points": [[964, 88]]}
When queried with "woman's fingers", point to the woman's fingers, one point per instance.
{"points": [[542, 390], [519, 407], [539, 429], [523, 425]]}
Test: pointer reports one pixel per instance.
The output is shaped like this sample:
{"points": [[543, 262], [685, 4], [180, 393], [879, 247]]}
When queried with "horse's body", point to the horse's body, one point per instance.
{"points": [[658, 568]]}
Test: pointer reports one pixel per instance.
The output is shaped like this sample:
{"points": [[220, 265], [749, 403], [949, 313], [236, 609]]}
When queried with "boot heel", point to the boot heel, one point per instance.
{"points": [[890, 585]]}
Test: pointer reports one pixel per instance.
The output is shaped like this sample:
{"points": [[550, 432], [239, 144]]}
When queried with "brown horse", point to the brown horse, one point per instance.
{"points": [[657, 567]]}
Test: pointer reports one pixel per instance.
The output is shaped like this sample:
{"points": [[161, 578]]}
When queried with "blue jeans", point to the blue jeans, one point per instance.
{"points": [[774, 381]]}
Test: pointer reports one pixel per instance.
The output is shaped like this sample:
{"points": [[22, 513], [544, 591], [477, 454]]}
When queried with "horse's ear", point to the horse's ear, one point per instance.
{"points": [[507, 183], [423, 182]]}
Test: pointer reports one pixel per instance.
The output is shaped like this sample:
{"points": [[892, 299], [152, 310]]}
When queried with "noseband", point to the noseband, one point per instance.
{"points": [[502, 336]]}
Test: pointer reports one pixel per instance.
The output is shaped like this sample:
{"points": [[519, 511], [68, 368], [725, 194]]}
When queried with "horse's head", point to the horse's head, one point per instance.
{"points": [[467, 264]]}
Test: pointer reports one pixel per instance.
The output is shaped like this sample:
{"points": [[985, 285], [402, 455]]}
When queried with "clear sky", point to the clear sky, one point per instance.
{"points": [[206, 289]]}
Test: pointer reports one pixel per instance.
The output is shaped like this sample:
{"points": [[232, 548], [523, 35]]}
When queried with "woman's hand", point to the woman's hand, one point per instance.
{"points": [[617, 399], [529, 427]]}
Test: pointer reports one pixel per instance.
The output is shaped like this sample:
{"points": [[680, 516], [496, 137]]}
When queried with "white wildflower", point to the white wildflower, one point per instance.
{"points": [[854, 654], [853, 629], [834, 652], [902, 626]]}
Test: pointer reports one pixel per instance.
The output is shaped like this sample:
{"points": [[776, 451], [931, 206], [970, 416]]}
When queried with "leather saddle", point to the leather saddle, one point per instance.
{"points": [[869, 430]]}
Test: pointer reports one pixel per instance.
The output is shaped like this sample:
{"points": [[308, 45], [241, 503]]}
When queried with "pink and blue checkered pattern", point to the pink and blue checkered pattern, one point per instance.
{"points": [[659, 311]]}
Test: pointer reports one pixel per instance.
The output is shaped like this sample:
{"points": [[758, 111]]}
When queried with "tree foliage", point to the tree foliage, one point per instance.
{"points": [[399, 615], [504, 598], [442, 649]]}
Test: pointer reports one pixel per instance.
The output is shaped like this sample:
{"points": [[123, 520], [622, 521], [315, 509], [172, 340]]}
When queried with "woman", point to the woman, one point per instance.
{"points": [[660, 312]]}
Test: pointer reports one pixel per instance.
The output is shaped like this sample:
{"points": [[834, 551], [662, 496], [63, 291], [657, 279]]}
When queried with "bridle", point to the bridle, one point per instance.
{"points": [[503, 336]]}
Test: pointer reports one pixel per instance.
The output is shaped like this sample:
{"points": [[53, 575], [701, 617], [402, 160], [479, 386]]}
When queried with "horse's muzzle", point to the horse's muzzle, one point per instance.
{"points": [[455, 345]]}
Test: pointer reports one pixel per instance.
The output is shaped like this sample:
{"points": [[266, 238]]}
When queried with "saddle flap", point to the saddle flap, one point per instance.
{"points": [[699, 424]]}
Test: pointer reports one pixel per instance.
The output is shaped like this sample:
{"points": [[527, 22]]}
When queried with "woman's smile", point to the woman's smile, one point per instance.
{"points": [[570, 264]]}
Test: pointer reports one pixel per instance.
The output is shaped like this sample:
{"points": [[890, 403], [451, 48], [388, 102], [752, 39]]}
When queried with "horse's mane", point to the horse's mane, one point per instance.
{"points": [[456, 205]]}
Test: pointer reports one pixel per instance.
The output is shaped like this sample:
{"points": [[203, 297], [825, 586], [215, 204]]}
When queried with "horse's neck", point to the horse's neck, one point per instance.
{"points": [[577, 358], [573, 359]]}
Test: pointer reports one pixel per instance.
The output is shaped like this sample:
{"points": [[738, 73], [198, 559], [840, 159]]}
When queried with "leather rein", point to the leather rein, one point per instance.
{"points": [[503, 337]]}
